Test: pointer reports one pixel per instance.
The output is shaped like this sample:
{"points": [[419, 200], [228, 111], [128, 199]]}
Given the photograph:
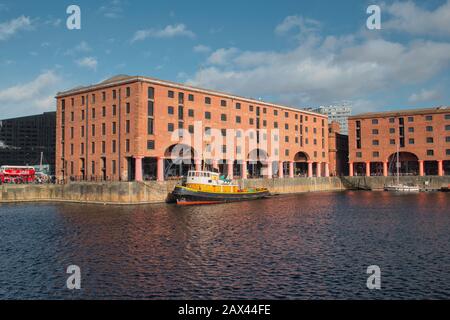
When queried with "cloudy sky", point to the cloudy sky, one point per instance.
{"points": [[299, 53]]}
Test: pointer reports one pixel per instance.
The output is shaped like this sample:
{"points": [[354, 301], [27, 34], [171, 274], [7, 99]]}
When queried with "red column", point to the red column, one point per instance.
{"points": [[269, 169], [327, 169], [319, 169], [310, 169], [160, 169], [385, 169], [230, 170], [244, 169], [350, 169], [368, 169], [280, 169], [291, 169], [215, 164], [421, 169], [198, 165], [440, 168], [138, 168]]}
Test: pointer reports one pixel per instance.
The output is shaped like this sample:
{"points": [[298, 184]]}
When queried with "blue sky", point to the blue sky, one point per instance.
{"points": [[299, 53]]}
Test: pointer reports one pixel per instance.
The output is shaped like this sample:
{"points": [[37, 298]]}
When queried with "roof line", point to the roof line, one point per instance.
{"points": [[179, 86]]}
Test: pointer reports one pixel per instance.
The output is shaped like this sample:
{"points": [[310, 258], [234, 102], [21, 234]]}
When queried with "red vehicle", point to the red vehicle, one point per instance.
{"points": [[17, 174]]}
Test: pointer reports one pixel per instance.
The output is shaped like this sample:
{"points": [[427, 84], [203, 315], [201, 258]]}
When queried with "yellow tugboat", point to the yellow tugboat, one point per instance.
{"points": [[206, 187]]}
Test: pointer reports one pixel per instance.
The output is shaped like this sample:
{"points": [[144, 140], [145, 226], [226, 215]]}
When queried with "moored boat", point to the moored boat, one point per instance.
{"points": [[206, 187]]}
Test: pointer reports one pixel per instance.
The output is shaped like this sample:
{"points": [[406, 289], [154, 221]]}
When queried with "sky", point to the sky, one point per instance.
{"points": [[297, 53]]}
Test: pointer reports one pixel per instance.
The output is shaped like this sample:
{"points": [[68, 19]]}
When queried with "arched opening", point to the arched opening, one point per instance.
{"points": [[376, 168], [408, 164], [430, 168], [179, 159], [257, 163], [446, 167], [359, 169], [301, 164]]}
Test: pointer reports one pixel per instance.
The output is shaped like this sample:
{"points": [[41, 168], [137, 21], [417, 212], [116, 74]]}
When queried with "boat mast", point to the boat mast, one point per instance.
{"points": [[40, 163], [398, 164]]}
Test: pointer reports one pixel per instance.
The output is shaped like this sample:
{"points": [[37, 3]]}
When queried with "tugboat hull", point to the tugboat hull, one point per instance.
{"points": [[187, 196]]}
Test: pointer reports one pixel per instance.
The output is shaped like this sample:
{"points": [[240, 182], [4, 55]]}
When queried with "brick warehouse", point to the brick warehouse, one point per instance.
{"points": [[422, 137], [123, 129]]}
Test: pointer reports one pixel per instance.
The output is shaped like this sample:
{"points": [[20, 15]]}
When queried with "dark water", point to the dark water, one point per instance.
{"points": [[309, 246]]}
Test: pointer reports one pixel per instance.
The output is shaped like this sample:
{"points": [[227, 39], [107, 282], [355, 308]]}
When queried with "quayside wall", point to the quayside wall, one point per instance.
{"points": [[146, 192], [157, 192]]}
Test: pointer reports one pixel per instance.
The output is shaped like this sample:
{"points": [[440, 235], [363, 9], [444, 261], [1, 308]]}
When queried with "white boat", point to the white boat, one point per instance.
{"points": [[402, 188], [398, 187]]}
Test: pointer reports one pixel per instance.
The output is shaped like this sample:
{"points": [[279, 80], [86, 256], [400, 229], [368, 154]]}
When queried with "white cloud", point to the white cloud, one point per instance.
{"points": [[88, 62], [82, 47], [408, 17], [425, 96], [31, 97], [201, 48], [222, 56], [320, 70], [9, 28], [170, 31], [112, 10], [304, 25]]}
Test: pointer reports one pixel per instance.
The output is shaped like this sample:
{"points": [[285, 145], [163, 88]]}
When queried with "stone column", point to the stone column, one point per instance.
{"points": [[319, 169], [440, 168], [291, 169], [385, 169], [350, 169], [327, 169], [160, 169], [138, 168], [244, 169], [367, 169], [421, 168], [280, 169], [310, 169], [230, 170]]}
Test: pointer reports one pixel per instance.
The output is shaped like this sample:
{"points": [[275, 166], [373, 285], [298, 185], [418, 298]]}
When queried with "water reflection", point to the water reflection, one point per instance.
{"points": [[315, 245]]}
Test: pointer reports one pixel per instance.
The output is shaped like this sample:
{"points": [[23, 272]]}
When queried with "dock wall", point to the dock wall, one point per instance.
{"points": [[157, 192]]}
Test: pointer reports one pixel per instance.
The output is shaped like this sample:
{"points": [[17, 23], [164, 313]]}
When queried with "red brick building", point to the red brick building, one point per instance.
{"points": [[129, 128], [421, 136], [337, 150]]}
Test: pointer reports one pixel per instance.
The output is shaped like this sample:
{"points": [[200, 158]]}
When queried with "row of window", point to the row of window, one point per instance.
{"points": [[150, 146], [410, 129], [238, 106], [93, 167], [411, 119], [93, 129], [93, 112], [410, 141], [376, 154], [93, 98]]}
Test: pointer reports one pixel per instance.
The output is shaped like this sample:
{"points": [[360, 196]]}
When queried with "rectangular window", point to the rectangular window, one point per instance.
{"points": [[447, 117], [191, 113], [114, 146], [103, 129], [191, 97], [113, 166], [411, 141], [170, 127], [82, 131], [93, 147], [238, 106], [150, 144], [180, 98], [223, 103], [250, 108], [223, 132], [375, 142], [275, 112], [410, 119], [150, 108], [286, 114], [103, 111], [238, 119], [447, 139], [82, 100], [128, 109], [128, 91], [103, 147], [391, 120], [170, 94], [251, 121], [447, 152], [93, 113], [286, 126], [151, 93], [191, 129], [82, 148], [429, 118], [207, 100], [430, 128], [447, 128], [127, 145], [103, 96], [207, 115], [411, 129], [114, 94], [391, 130], [374, 121], [430, 152], [114, 110], [375, 131], [93, 130], [376, 154], [430, 140], [275, 125], [150, 126], [170, 110], [180, 112], [114, 127], [223, 117], [392, 141], [359, 154], [127, 126]]}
